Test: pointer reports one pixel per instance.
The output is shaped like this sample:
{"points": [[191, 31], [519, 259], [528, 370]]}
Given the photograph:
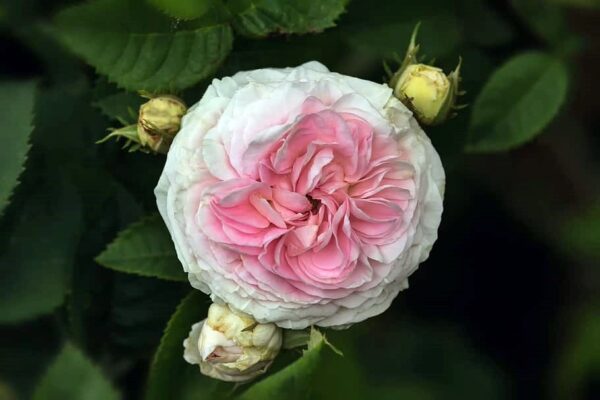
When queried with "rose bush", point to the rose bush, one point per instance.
{"points": [[301, 196]]}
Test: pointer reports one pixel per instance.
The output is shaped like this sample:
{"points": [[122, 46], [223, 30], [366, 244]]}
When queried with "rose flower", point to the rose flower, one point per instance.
{"points": [[301, 196]]}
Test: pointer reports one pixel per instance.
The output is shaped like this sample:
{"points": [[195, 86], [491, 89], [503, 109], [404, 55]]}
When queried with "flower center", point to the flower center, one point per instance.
{"points": [[315, 203]]}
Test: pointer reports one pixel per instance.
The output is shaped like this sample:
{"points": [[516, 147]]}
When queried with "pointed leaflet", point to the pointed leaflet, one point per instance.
{"points": [[140, 48], [144, 248], [517, 103], [39, 253], [258, 18], [16, 114], [73, 377]]}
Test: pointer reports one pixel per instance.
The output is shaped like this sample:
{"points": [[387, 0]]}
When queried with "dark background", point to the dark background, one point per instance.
{"points": [[506, 306]]}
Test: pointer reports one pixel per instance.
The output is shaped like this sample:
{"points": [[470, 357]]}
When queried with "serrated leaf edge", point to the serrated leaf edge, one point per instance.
{"points": [[125, 233]]}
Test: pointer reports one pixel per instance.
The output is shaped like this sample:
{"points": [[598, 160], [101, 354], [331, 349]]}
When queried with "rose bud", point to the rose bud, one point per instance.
{"points": [[159, 121], [426, 90], [232, 346]]}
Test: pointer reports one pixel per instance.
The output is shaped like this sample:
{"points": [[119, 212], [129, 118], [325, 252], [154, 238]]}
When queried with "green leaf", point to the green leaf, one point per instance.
{"points": [[73, 377], [183, 9], [65, 127], [139, 48], [295, 338], [140, 308], [39, 253], [122, 106], [107, 208], [346, 369], [170, 376], [145, 248], [258, 18], [16, 114], [517, 103], [294, 381]]}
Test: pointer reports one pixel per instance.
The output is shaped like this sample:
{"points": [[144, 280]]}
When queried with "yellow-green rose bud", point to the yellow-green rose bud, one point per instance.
{"points": [[231, 346], [425, 90], [159, 121]]}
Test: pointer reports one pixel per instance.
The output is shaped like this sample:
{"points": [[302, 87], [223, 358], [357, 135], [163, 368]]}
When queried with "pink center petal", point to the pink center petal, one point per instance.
{"points": [[326, 202]]}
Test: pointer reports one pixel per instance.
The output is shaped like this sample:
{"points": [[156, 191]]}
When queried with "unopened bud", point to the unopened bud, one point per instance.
{"points": [[426, 90], [159, 121], [231, 346]]}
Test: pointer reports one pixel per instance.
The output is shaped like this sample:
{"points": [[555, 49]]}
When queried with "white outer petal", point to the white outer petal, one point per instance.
{"points": [[191, 352]]}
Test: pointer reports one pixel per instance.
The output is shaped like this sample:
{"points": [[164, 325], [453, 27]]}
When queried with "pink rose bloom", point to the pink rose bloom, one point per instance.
{"points": [[301, 196]]}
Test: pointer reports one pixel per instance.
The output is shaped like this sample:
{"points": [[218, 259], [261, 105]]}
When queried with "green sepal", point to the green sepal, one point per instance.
{"points": [[295, 338], [130, 133], [410, 58], [449, 108], [309, 337]]}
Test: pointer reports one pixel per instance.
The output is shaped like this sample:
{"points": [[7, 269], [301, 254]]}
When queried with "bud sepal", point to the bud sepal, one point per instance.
{"points": [[129, 133]]}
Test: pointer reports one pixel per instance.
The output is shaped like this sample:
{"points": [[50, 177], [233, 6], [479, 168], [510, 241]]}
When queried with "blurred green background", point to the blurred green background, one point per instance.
{"points": [[506, 306]]}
